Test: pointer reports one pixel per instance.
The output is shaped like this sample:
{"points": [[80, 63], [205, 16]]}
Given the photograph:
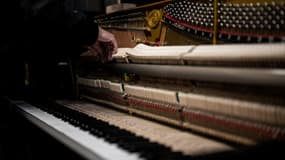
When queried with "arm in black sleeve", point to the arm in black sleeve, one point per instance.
{"points": [[85, 30], [54, 26]]}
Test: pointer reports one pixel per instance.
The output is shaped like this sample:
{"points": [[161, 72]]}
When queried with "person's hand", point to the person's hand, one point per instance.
{"points": [[105, 46]]}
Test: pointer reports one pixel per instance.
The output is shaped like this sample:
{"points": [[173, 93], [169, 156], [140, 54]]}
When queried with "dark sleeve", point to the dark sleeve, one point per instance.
{"points": [[54, 26], [85, 30]]}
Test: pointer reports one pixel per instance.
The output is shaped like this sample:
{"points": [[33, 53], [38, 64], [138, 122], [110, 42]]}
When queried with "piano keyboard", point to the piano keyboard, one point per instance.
{"points": [[101, 133], [81, 141], [173, 140]]}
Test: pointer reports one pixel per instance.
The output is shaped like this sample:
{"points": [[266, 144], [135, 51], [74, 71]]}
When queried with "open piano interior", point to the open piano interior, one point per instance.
{"points": [[200, 79]]}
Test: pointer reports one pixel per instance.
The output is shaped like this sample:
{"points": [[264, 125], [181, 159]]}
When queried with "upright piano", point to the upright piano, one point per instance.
{"points": [[200, 79]]}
